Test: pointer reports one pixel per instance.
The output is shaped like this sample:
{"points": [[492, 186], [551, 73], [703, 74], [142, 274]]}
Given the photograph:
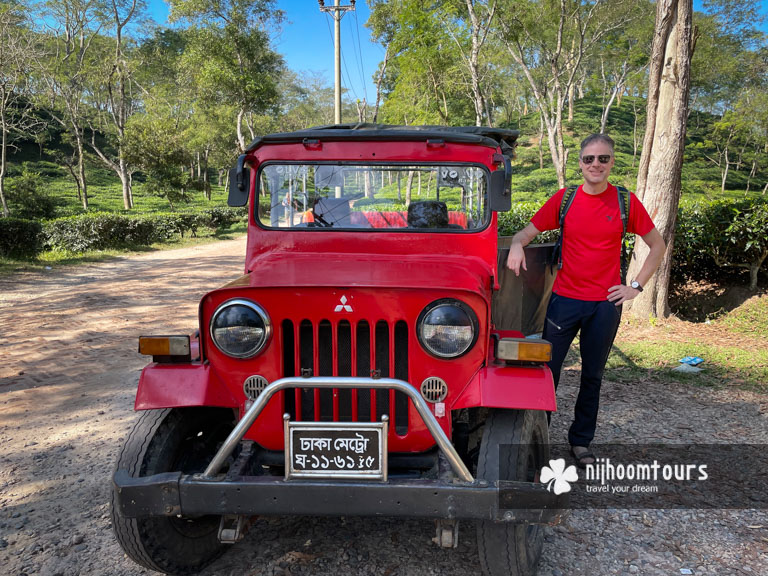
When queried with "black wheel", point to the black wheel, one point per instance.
{"points": [[164, 441], [511, 549]]}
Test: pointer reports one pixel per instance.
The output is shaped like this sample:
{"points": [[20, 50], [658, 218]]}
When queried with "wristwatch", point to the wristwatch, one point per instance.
{"points": [[636, 285]]}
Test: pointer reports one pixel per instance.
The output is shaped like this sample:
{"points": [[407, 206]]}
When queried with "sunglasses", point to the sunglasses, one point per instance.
{"points": [[603, 158]]}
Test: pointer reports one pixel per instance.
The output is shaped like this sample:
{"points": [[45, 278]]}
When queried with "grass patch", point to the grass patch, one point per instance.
{"points": [[751, 318], [633, 362]]}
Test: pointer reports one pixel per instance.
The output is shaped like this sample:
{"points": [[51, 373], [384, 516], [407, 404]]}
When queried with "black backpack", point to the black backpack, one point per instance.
{"points": [[624, 201]]}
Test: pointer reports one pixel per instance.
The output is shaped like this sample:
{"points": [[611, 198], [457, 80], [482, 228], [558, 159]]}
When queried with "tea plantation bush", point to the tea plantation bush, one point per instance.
{"points": [[20, 238], [27, 196], [713, 237], [102, 231]]}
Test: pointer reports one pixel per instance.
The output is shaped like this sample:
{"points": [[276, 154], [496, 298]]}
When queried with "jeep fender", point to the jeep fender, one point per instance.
{"points": [[514, 387], [181, 385]]}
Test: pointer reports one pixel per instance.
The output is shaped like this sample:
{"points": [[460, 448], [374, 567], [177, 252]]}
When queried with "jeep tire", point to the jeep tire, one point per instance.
{"points": [[507, 549], [163, 441]]}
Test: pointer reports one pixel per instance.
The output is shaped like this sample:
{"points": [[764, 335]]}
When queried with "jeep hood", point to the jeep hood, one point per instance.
{"points": [[290, 269]]}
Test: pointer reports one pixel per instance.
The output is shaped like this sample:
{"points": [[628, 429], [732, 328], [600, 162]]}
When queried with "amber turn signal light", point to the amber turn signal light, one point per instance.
{"points": [[164, 346], [523, 350]]}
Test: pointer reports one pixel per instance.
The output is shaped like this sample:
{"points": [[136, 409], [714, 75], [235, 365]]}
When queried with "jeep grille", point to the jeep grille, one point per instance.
{"points": [[353, 349]]}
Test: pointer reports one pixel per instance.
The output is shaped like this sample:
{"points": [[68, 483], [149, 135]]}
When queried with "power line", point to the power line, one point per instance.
{"points": [[349, 77], [360, 53], [344, 61]]}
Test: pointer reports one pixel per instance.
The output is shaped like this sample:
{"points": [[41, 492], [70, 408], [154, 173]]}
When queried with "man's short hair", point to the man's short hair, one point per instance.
{"points": [[592, 138]]}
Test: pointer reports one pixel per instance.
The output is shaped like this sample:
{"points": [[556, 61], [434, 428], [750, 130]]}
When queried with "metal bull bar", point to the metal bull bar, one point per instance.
{"points": [[261, 401]]}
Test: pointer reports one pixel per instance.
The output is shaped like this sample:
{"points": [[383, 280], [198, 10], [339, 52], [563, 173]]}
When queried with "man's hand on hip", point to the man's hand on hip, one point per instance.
{"points": [[620, 293]]}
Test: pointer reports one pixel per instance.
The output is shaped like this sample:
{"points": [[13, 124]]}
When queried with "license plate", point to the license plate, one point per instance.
{"points": [[349, 450]]}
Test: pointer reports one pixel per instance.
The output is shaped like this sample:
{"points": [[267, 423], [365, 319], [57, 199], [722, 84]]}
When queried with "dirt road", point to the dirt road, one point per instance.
{"points": [[67, 381]]}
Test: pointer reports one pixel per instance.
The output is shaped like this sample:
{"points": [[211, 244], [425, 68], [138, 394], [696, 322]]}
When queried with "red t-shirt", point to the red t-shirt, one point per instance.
{"points": [[592, 240]]}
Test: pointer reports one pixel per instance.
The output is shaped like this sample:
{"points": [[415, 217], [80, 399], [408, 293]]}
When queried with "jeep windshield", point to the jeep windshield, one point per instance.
{"points": [[374, 197]]}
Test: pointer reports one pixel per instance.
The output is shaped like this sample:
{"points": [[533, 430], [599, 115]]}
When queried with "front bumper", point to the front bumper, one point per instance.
{"points": [[173, 493], [459, 497]]}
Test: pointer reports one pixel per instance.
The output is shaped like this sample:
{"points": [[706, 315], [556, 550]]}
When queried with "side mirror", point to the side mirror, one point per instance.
{"points": [[239, 183], [500, 198]]}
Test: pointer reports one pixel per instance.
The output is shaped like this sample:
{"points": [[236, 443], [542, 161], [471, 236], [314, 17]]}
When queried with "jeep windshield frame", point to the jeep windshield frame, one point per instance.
{"points": [[372, 196]]}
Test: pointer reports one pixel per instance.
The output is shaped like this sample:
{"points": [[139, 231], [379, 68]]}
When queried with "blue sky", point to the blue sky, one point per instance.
{"points": [[306, 43]]}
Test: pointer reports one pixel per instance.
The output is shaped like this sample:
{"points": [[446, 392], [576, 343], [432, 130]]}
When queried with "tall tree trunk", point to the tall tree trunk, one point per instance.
{"points": [[240, 137], [81, 168], [541, 142], [479, 32], [379, 80], [606, 111], [126, 179], [659, 176], [206, 180], [3, 160], [408, 185], [634, 131], [754, 268], [367, 184], [724, 170], [752, 173]]}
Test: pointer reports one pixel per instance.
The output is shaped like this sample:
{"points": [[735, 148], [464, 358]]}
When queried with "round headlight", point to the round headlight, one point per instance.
{"points": [[447, 328], [240, 328]]}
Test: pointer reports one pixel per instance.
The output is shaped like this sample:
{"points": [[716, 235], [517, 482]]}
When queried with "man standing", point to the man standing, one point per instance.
{"points": [[588, 291]]}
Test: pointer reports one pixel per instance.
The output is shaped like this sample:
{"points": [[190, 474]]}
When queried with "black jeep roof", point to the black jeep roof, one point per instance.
{"points": [[362, 131]]}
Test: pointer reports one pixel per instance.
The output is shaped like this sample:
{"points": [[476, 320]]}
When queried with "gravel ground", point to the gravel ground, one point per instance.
{"points": [[67, 381]]}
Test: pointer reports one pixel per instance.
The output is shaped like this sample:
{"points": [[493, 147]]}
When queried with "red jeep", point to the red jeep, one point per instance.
{"points": [[369, 362]]}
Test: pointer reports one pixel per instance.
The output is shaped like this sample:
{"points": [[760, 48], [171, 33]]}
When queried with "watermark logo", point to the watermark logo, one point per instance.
{"points": [[645, 476], [557, 477]]}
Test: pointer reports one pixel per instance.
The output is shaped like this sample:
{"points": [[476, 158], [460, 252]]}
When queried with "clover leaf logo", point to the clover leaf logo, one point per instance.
{"points": [[557, 477]]}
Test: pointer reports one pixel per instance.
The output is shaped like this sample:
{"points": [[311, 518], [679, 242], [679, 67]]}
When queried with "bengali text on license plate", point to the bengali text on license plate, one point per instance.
{"points": [[354, 450]]}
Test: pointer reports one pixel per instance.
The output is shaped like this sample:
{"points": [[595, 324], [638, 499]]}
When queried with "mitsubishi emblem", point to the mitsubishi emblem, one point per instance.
{"points": [[343, 306]]}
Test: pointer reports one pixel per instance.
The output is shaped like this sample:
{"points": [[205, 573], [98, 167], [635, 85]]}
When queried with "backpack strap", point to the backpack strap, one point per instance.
{"points": [[565, 204], [624, 202]]}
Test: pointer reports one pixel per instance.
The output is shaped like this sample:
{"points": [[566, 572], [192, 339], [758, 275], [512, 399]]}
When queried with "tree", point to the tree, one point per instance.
{"points": [[479, 17], [549, 41], [717, 73], [623, 56], [113, 88], [16, 48], [754, 107], [64, 70], [306, 100], [229, 57], [659, 173], [383, 25], [425, 82], [727, 132], [211, 141], [157, 144]]}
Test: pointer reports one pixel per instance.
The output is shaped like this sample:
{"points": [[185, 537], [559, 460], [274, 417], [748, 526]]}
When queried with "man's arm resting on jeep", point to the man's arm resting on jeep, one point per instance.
{"points": [[520, 240]]}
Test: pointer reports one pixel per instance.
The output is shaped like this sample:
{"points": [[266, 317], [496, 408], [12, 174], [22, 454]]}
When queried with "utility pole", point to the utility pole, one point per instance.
{"points": [[337, 12]]}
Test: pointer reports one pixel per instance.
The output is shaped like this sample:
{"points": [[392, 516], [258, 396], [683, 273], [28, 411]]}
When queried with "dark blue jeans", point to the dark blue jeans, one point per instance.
{"points": [[598, 322]]}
